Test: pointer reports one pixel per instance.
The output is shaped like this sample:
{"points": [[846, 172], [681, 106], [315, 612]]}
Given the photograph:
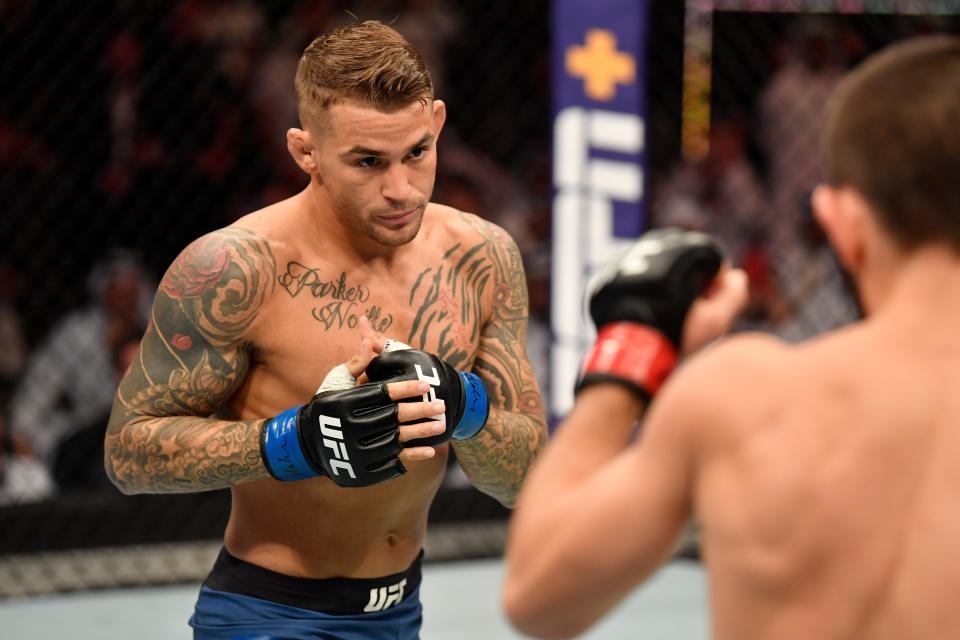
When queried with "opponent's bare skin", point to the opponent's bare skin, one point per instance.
{"points": [[823, 476], [829, 499], [249, 319], [788, 484]]}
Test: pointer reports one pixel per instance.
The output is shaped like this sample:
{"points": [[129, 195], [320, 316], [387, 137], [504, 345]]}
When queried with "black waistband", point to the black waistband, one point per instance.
{"points": [[335, 596]]}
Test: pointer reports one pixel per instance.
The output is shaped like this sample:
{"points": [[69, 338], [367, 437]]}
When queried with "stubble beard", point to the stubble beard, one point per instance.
{"points": [[383, 235]]}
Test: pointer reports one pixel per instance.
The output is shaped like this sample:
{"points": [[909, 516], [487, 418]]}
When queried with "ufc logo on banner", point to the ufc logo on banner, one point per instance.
{"points": [[333, 440], [434, 381], [589, 180], [385, 597]]}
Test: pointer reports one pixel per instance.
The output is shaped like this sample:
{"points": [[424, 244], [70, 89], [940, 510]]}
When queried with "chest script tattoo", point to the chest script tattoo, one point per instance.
{"points": [[339, 304]]}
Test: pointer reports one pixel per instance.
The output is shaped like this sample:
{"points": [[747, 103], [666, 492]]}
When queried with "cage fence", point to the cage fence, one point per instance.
{"points": [[127, 129]]}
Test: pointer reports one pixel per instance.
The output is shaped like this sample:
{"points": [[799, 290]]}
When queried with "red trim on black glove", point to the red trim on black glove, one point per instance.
{"points": [[632, 353]]}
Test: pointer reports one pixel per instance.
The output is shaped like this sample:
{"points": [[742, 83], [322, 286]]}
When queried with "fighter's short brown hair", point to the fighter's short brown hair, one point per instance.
{"points": [[368, 62], [893, 133]]}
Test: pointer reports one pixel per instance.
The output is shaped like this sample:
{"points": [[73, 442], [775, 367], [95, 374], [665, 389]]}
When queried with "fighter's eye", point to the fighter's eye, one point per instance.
{"points": [[418, 152], [367, 162]]}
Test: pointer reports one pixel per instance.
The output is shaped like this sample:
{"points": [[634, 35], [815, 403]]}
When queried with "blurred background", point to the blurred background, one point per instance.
{"points": [[128, 128]]}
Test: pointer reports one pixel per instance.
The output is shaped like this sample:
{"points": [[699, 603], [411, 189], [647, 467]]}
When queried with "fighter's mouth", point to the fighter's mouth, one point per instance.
{"points": [[399, 218]]}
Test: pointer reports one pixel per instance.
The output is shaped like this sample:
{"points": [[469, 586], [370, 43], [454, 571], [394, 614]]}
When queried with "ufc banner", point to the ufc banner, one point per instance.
{"points": [[599, 60]]}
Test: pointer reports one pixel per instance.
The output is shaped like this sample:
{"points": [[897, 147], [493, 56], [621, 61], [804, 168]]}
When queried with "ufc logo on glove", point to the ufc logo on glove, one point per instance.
{"points": [[333, 440]]}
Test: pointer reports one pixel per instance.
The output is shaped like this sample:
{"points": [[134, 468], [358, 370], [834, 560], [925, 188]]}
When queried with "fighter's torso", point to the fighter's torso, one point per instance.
{"points": [[435, 295], [829, 513]]}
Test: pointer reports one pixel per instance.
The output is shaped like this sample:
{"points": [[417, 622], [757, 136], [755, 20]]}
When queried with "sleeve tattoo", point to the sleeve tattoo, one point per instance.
{"points": [[192, 358], [497, 459]]}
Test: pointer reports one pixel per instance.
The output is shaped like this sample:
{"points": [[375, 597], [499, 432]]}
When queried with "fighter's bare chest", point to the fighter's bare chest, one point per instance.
{"points": [[316, 310], [333, 300]]}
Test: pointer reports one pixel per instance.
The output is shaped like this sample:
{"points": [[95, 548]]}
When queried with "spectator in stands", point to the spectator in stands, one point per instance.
{"points": [[23, 478], [122, 63], [71, 378], [723, 195], [808, 278], [790, 112]]}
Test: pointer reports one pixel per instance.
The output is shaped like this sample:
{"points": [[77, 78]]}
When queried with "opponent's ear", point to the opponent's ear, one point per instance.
{"points": [[301, 148], [439, 116], [844, 216]]}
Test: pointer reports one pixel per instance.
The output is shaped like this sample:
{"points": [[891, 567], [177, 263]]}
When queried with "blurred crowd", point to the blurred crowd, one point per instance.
{"points": [[129, 129], [752, 191]]}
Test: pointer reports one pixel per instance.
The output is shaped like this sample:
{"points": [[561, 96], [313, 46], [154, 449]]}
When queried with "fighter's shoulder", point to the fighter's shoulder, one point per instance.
{"points": [[229, 253], [468, 227]]}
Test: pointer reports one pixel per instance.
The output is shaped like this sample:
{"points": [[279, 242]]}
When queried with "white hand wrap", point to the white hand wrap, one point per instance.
{"points": [[340, 377]]}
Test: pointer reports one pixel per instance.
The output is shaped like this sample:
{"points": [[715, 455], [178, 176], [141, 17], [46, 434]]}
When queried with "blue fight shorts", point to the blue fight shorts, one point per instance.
{"points": [[242, 601]]}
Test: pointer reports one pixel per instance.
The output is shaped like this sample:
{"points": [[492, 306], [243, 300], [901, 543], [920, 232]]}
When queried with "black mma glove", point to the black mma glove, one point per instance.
{"points": [[463, 393], [639, 303], [350, 435]]}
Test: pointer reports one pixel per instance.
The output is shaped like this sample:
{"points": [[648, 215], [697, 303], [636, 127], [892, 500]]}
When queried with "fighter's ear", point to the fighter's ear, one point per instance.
{"points": [[302, 149], [844, 216], [439, 116]]}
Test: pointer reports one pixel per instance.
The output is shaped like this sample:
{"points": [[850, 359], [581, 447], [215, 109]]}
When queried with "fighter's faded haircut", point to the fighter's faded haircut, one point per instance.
{"points": [[893, 133], [368, 62]]}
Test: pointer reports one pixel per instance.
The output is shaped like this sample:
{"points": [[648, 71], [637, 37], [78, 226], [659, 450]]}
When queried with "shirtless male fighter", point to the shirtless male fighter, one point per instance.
{"points": [[330, 492], [824, 476]]}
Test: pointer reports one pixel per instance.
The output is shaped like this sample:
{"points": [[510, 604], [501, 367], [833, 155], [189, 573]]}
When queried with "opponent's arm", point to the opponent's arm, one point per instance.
{"points": [[600, 512]]}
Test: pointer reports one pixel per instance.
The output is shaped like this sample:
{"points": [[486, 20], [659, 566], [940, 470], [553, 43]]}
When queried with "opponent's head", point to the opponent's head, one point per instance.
{"points": [[370, 125], [891, 147]]}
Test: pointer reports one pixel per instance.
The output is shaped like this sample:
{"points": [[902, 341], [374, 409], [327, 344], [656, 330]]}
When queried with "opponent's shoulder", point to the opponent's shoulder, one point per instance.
{"points": [[726, 382], [740, 363], [745, 353]]}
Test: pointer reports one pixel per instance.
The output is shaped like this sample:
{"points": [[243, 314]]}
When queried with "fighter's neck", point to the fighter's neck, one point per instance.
{"points": [[924, 279], [323, 228]]}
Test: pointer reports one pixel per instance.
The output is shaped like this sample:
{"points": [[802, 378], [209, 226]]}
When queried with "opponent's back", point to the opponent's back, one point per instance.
{"points": [[827, 493], [824, 476]]}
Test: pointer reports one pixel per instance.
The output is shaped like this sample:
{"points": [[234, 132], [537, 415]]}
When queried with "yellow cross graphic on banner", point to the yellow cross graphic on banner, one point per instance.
{"points": [[600, 65]]}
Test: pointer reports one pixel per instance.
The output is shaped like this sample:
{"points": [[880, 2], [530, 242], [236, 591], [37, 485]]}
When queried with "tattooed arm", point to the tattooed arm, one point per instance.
{"points": [[497, 459], [193, 357]]}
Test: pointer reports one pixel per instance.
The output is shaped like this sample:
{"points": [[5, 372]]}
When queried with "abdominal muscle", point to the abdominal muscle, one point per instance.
{"points": [[315, 529]]}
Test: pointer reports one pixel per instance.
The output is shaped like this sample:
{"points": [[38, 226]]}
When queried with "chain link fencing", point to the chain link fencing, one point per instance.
{"points": [[127, 129]]}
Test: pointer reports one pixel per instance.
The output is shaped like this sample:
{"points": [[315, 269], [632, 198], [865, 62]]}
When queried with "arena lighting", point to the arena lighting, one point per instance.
{"points": [[698, 47]]}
